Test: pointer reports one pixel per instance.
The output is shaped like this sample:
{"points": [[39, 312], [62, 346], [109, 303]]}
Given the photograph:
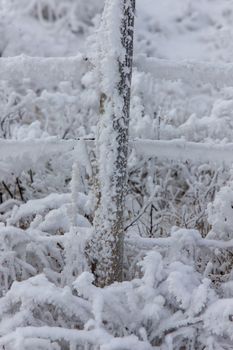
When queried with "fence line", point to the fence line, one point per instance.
{"points": [[194, 73], [34, 149], [41, 71], [178, 150], [183, 150], [52, 70], [18, 156]]}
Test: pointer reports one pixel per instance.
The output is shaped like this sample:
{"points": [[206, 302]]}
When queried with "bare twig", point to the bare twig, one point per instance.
{"points": [[20, 189], [142, 211], [7, 189], [31, 175]]}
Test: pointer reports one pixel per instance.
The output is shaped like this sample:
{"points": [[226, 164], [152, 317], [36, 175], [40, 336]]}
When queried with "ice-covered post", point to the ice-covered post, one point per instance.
{"points": [[115, 40]]}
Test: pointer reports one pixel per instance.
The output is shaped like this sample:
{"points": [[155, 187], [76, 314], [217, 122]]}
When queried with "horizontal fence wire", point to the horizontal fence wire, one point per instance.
{"points": [[162, 149], [46, 71], [19, 69]]}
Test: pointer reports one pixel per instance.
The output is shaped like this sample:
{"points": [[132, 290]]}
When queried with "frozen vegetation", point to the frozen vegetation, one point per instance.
{"points": [[55, 67]]}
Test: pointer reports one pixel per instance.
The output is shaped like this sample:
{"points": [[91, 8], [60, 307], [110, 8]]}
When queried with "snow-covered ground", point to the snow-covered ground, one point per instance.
{"points": [[180, 29], [186, 29], [177, 292]]}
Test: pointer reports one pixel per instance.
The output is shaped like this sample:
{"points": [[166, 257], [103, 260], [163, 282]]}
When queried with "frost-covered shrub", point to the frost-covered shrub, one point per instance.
{"points": [[69, 110], [55, 23], [220, 218], [32, 237], [163, 195], [169, 305], [180, 295], [56, 10], [220, 214], [25, 250], [35, 113]]}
